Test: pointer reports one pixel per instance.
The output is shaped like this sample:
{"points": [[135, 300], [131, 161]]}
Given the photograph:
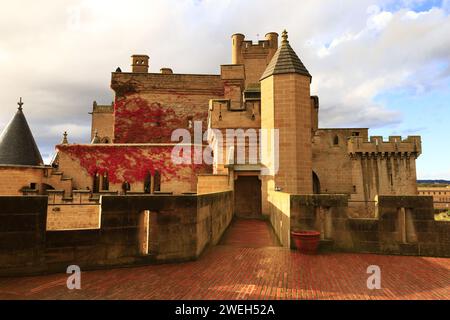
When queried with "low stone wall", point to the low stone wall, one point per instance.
{"points": [[73, 216], [77, 212], [402, 225], [280, 215], [133, 230], [221, 209], [407, 224], [207, 183], [22, 232]]}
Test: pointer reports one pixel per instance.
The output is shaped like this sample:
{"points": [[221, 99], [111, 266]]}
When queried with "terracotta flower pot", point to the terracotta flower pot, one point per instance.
{"points": [[306, 241]]}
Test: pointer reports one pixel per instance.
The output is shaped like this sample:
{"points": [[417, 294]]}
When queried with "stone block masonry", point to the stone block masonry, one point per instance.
{"points": [[133, 230], [403, 225], [77, 212], [22, 233]]}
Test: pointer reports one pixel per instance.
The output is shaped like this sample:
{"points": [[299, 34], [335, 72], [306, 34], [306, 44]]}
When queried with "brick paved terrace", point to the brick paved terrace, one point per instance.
{"points": [[249, 264]]}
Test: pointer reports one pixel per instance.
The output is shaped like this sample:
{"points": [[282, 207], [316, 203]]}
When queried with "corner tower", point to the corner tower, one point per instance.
{"points": [[286, 106]]}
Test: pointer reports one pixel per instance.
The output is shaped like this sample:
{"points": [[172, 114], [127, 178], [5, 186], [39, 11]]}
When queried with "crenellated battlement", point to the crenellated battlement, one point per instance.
{"points": [[253, 56], [245, 49], [224, 113], [411, 146]]}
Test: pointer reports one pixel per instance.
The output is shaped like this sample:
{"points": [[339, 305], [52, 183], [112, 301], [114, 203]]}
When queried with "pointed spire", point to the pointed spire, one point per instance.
{"points": [[285, 60], [17, 145], [284, 36], [20, 103], [64, 140], [96, 138]]}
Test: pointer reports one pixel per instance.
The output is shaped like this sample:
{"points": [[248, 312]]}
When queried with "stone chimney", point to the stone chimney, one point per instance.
{"points": [[139, 63]]}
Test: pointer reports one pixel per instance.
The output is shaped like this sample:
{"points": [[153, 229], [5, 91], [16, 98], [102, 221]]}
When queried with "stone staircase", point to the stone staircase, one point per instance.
{"points": [[59, 182]]}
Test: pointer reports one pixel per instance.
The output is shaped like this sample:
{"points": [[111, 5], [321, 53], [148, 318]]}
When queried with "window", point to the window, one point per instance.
{"points": [[147, 183], [96, 182], [105, 181], [336, 140], [157, 181], [355, 134]]}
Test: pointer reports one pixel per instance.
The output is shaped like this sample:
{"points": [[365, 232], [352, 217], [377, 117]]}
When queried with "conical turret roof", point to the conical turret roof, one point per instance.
{"points": [[17, 145], [285, 60]]}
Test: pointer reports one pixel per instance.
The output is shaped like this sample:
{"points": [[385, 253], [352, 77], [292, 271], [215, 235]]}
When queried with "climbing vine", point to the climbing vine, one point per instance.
{"points": [[130, 163], [138, 121]]}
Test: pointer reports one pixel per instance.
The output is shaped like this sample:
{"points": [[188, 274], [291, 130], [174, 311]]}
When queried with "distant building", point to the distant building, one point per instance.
{"points": [[441, 196]]}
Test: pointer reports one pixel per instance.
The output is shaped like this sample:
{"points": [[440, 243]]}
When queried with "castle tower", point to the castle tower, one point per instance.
{"points": [[139, 63], [17, 145], [253, 56], [236, 45], [286, 106], [272, 38]]}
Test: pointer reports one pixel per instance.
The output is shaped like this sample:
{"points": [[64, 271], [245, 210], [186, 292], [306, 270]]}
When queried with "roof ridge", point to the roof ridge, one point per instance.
{"points": [[285, 60]]}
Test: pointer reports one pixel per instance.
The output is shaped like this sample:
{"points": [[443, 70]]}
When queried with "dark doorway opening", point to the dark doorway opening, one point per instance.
{"points": [[247, 197]]}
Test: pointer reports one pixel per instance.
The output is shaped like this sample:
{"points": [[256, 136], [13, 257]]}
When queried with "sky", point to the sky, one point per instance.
{"points": [[381, 64]]}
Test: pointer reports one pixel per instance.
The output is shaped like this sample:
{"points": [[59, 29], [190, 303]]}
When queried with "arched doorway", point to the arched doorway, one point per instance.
{"points": [[316, 183]]}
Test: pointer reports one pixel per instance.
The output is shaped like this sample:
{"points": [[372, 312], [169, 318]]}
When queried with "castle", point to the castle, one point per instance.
{"points": [[266, 87]]}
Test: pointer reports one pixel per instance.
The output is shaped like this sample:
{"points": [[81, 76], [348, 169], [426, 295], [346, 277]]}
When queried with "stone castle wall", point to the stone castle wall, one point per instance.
{"points": [[103, 122], [331, 162], [148, 106], [133, 230], [14, 178], [80, 211], [403, 225]]}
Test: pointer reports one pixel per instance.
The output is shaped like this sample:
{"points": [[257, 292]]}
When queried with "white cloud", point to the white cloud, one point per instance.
{"points": [[77, 132], [59, 55]]}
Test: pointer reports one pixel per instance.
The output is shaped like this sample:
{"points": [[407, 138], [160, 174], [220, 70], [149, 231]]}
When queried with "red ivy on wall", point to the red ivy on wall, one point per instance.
{"points": [[138, 121], [130, 163]]}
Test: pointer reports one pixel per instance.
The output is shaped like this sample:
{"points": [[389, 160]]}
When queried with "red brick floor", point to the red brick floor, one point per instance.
{"points": [[248, 264]]}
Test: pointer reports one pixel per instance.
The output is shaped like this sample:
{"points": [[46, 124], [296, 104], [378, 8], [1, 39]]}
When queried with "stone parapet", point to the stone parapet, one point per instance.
{"points": [[411, 146]]}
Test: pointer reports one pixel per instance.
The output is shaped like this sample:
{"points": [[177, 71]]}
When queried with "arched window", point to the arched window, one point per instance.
{"points": [[157, 181], [147, 183], [336, 140], [105, 182], [96, 182], [316, 183]]}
